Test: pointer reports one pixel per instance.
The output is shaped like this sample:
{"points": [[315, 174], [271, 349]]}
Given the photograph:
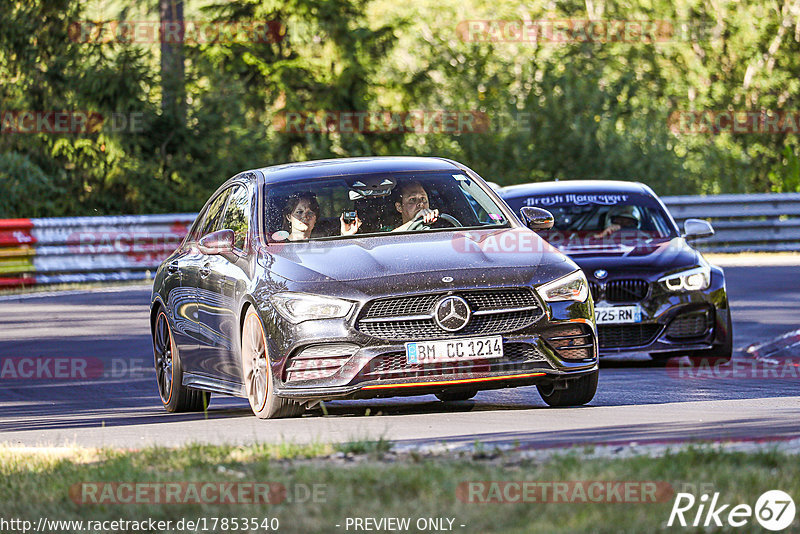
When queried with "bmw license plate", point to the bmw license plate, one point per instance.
{"points": [[474, 348], [618, 314]]}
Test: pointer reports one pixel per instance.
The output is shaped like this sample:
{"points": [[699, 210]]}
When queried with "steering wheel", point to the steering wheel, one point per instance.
{"points": [[419, 224]]}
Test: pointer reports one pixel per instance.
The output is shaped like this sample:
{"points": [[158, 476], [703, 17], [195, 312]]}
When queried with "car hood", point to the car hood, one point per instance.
{"points": [[653, 257], [520, 254]]}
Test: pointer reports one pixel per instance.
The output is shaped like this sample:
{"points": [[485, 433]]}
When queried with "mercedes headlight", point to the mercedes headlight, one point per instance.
{"points": [[694, 279], [299, 307], [571, 287]]}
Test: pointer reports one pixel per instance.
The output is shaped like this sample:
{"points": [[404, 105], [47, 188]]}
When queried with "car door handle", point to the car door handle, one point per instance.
{"points": [[205, 270], [172, 267]]}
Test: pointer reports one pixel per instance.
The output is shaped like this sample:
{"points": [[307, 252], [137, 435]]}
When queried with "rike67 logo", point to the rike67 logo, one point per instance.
{"points": [[774, 510]]}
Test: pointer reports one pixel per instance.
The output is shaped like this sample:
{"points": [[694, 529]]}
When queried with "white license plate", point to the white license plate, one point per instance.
{"points": [[474, 348], [618, 314]]}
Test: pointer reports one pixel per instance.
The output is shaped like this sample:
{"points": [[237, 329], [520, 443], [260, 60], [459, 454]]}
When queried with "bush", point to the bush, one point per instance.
{"points": [[27, 190]]}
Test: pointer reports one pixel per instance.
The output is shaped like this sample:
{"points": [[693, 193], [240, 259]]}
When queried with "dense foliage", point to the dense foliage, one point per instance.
{"points": [[550, 109]]}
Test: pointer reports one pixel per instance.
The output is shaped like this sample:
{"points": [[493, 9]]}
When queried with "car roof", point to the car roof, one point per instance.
{"points": [[575, 186], [348, 166]]}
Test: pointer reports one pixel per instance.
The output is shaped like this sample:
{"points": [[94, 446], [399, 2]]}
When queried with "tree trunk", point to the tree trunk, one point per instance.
{"points": [[173, 98]]}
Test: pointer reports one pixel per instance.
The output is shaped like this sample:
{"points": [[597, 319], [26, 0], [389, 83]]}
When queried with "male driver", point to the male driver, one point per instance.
{"points": [[619, 217], [413, 206]]}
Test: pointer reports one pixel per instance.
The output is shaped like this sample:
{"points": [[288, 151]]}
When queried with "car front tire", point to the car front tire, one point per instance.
{"points": [[578, 391], [257, 373], [718, 354], [456, 395]]}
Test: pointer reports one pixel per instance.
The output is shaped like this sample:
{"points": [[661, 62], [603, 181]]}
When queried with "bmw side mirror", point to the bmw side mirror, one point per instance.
{"points": [[697, 229], [537, 218], [219, 242]]}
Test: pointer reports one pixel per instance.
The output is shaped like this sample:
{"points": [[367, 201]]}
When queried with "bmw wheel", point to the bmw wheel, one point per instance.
{"points": [[719, 354], [257, 373], [169, 373]]}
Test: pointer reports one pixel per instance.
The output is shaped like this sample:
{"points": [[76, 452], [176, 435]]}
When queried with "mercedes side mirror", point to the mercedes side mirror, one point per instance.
{"points": [[219, 242], [697, 229], [537, 218]]}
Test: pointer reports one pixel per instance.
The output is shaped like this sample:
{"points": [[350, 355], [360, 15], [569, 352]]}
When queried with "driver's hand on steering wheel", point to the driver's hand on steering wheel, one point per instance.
{"points": [[610, 229], [424, 217], [427, 215]]}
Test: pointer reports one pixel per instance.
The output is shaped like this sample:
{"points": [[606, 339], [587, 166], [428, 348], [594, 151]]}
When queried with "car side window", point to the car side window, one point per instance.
{"points": [[214, 214], [191, 235], [236, 216]]}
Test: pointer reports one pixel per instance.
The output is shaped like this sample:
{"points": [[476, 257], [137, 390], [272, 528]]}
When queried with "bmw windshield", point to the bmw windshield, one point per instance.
{"points": [[601, 218], [377, 204]]}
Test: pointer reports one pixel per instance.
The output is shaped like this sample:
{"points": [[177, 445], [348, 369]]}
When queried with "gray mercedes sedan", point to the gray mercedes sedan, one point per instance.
{"points": [[368, 277]]}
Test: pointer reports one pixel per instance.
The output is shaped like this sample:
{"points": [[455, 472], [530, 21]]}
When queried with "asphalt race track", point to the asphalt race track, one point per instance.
{"points": [[105, 333]]}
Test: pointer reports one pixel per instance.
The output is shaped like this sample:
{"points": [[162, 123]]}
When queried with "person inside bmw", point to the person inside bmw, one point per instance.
{"points": [[413, 205], [620, 217]]}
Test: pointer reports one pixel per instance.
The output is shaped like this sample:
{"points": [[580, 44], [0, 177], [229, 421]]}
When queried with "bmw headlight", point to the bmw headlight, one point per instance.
{"points": [[299, 307], [695, 279], [571, 287]]}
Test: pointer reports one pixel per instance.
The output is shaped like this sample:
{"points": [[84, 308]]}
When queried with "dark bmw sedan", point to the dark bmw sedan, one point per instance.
{"points": [[653, 292], [359, 278]]}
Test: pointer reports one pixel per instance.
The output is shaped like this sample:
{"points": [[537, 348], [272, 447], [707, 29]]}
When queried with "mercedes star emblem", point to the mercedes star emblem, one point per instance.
{"points": [[452, 313]]}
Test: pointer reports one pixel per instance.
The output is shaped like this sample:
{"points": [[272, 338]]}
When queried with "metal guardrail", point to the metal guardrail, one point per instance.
{"points": [[763, 223], [81, 249]]}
